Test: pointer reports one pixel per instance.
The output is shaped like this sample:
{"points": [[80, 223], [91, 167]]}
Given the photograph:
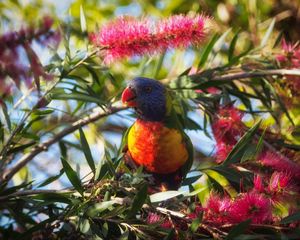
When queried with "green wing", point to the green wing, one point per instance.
{"points": [[188, 164], [172, 121], [124, 141]]}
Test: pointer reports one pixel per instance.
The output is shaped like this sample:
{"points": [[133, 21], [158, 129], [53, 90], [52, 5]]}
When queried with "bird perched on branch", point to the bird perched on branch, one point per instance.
{"points": [[156, 140]]}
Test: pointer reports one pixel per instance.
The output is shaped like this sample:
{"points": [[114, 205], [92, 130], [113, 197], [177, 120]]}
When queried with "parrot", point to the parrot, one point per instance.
{"points": [[156, 140]]}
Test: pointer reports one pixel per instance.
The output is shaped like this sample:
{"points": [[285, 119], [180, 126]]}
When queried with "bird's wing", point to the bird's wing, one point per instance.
{"points": [[188, 164], [172, 121], [123, 148]]}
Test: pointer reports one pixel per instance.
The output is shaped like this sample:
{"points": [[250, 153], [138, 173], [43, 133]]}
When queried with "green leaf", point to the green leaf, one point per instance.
{"points": [[291, 218], [138, 201], [232, 46], [268, 33], [100, 207], [195, 225], [52, 198], [171, 235], [207, 51], [101, 170], [82, 20], [238, 229], [72, 176], [279, 101], [163, 196], [239, 149], [87, 151], [6, 115], [51, 179], [75, 96]]}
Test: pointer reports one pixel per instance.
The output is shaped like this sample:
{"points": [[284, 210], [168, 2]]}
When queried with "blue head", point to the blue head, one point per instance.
{"points": [[148, 97]]}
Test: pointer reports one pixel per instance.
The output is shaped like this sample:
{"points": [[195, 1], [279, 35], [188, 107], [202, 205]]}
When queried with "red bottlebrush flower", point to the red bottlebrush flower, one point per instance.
{"points": [[217, 210], [12, 42], [127, 37], [222, 152], [279, 181], [228, 126], [280, 163], [181, 31], [290, 58], [252, 206], [196, 212], [156, 218], [258, 183]]}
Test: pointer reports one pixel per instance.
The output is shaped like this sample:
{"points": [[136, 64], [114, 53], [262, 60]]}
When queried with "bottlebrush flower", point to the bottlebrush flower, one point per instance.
{"points": [[279, 163], [222, 151], [193, 215], [279, 182], [156, 218], [258, 183], [217, 210], [127, 36], [227, 126], [11, 63], [252, 206], [290, 58]]}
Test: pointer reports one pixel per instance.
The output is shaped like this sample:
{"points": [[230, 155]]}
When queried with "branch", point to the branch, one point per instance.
{"points": [[44, 146], [257, 73]]}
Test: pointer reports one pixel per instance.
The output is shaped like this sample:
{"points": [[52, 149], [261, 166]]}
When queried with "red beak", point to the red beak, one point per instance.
{"points": [[128, 97]]}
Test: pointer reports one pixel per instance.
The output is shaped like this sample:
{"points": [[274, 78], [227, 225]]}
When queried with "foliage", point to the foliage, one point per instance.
{"points": [[62, 172]]}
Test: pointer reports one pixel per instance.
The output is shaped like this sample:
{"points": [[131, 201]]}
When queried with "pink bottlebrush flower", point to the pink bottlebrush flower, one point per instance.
{"points": [[228, 126], [10, 44], [252, 206], [153, 218], [288, 52], [217, 210], [279, 182], [156, 218], [124, 37], [181, 31], [258, 183], [290, 58], [279, 163], [127, 37], [198, 209], [222, 152]]}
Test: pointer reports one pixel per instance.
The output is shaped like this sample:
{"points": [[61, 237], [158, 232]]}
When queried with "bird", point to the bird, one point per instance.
{"points": [[156, 140]]}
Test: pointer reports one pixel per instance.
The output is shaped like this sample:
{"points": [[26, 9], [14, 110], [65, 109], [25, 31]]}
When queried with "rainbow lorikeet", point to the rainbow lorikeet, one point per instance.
{"points": [[156, 140]]}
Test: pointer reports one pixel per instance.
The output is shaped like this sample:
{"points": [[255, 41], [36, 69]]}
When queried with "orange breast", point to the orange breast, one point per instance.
{"points": [[158, 148]]}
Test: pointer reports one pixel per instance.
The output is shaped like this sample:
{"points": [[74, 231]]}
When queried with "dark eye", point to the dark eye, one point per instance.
{"points": [[148, 89]]}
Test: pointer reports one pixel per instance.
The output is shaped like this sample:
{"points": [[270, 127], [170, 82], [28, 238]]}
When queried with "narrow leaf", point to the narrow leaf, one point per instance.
{"points": [[238, 229], [138, 201], [207, 51], [72, 176], [51, 179], [163, 196], [292, 218], [82, 20], [240, 147], [268, 33], [87, 151]]}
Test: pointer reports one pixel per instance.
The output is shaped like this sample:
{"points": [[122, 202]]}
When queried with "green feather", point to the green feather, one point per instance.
{"points": [[172, 121]]}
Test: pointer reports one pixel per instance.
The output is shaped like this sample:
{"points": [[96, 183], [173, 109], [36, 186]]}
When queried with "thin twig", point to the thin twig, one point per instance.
{"points": [[44, 146]]}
